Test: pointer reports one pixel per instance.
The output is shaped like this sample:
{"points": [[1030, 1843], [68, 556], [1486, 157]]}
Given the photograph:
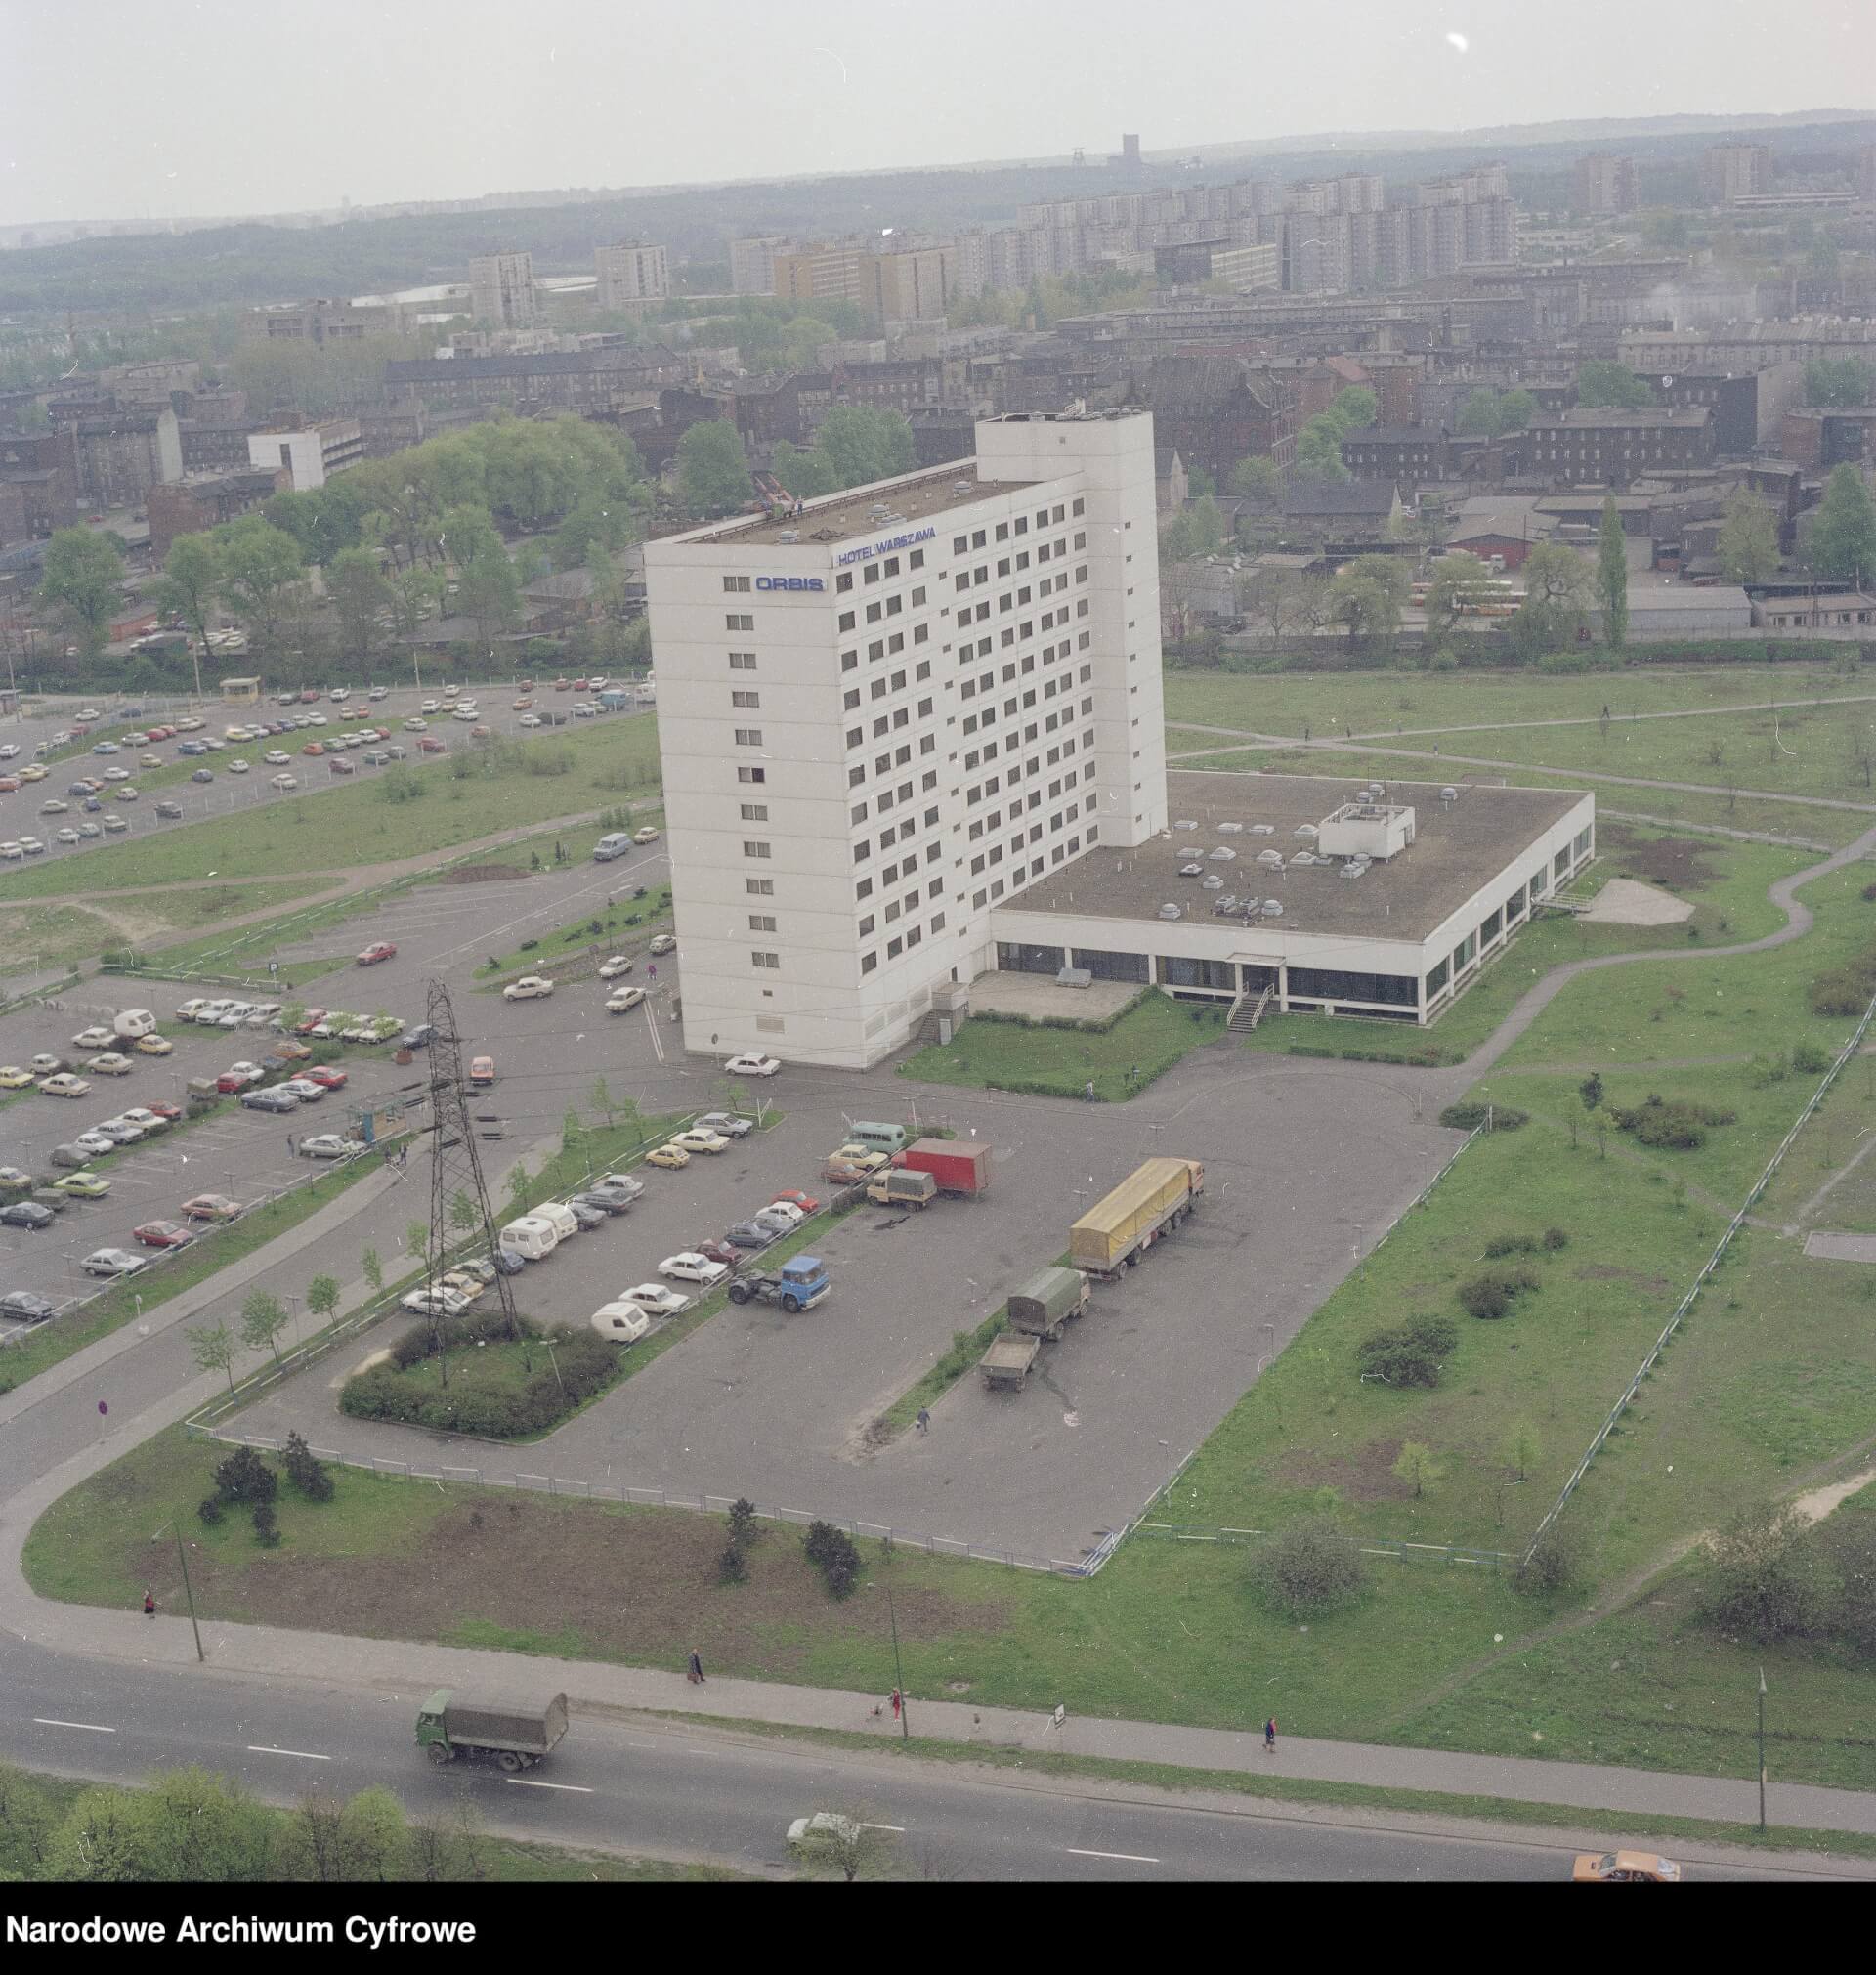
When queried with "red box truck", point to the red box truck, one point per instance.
{"points": [[959, 1165]]}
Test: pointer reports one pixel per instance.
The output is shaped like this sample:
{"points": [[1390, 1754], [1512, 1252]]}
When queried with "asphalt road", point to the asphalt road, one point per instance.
{"points": [[669, 1791], [20, 809]]}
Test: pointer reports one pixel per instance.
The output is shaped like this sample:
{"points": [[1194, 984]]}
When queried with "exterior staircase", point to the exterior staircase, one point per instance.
{"points": [[1245, 1014]]}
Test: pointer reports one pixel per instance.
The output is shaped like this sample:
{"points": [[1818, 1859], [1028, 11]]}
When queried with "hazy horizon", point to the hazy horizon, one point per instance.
{"points": [[231, 109]]}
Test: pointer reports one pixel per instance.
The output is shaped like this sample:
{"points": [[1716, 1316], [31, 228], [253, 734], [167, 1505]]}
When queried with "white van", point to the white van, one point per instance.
{"points": [[532, 1240], [624, 1322], [133, 1023], [560, 1218], [615, 845]]}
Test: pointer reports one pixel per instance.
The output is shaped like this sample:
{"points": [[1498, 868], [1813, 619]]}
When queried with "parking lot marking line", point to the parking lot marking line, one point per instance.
{"points": [[1132, 1858], [528, 1784], [90, 1727], [900, 1828], [305, 1754]]}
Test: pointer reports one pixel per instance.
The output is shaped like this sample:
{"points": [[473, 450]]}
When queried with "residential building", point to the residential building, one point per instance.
{"points": [[1606, 184], [205, 500], [321, 322], [1404, 455], [115, 457], [882, 717], [36, 477], [818, 274], [1821, 438], [1608, 446], [587, 381], [501, 290], [753, 264], [1216, 411], [1733, 171], [1748, 406], [631, 277], [311, 450]]}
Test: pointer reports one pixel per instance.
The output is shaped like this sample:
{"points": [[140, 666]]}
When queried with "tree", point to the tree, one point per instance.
{"points": [[322, 1296], [83, 573], [193, 1823], [1478, 415], [99, 1841], [464, 1214], [1418, 1464], [491, 592], [263, 1319], [860, 444], [1257, 478], [1310, 1567], [1521, 1449], [414, 593], [1590, 1090], [1514, 411], [1839, 381], [1612, 576], [1368, 595], [1206, 523], [804, 475], [1285, 600], [1748, 543], [712, 475], [1842, 543], [417, 1237], [1601, 381], [1456, 578], [261, 565], [372, 1268], [1319, 449], [604, 1102], [356, 584], [1558, 594], [212, 1346], [1765, 1578], [190, 583]]}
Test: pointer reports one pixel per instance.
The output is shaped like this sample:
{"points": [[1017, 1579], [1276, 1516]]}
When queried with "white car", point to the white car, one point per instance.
{"points": [[247, 1073], [111, 1064], [826, 1831], [65, 837], [112, 1261], [12, 852], [781, 1214], [121, 1132], [303, 1090], [116, 775], [437, 1301], [526, 720], [620, 963], [429, 707], [285, 782], [238, 767], [330, 1146], [752, 1066], [277, 757], [624, 1001], [95, 1142], [690, 1266], [530, 987], [149, 1122], [698, 1140], [93, 1038], [657, 1298]]}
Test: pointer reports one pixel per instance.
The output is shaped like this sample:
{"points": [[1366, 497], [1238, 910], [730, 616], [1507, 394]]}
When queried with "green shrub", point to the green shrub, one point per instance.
{"points": [[1555, 1238], [1676, 1125], [1469, 1117], [210, 1510], [308, 1474], [1414, 1354], [831, 1550], [245, 1478], [267, 1528], [1510, 1244], [1492, 1294], [1554, 1563], [1809, 1060]]}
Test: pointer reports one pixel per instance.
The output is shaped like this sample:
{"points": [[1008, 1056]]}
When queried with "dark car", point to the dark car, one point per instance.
{"points": [[26, 1214], [74, 1156], [24, 1307], [204, 775], [751, 1234], [169, 812], [601, 1203], [270, 1100], [719, 1249], [90, 805], [418, 1038], [588, 1218]]}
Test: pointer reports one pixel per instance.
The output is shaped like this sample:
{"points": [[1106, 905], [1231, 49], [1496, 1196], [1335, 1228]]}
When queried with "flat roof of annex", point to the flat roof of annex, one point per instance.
{"points": [[1458, 849], [849, 516]]}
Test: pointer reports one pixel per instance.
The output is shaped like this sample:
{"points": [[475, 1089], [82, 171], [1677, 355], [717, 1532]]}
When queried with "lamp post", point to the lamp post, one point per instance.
{"points": [[898, 1671], [1762, 1751]]}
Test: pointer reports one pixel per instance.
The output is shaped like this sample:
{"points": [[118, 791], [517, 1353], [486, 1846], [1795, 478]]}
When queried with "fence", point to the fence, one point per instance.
{"points": [[1701, 1280], [1369, 1546]]}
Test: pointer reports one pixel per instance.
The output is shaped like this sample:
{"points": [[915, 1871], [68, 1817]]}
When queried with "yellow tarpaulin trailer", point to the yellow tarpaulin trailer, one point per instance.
{"points": [[1150, 1202]]}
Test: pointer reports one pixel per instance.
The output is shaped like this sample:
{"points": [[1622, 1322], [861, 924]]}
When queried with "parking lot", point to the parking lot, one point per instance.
{"points": [[1307, 1166]]}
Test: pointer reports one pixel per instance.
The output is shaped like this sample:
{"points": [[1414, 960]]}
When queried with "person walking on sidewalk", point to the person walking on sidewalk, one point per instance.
{"points": [[1270, 1735], [693, 1670], [924, 1420], [150, 1605]]}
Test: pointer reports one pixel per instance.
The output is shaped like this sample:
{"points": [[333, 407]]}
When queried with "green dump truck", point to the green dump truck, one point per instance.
{"points": [[516, 1738]]}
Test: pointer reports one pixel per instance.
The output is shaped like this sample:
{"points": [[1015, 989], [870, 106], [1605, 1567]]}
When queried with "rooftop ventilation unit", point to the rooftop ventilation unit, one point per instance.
{"points": [[1449, 794], [1191, 870], [1304, 857], [1272, 908], [960, 487], [1304, 830], [1186, 823], [789, 534], [1212, 883], [1227, 904], [1270, 859], [1353, 870], [1223, 854], [1230, 829], [1170, 912], [1264, 829]]}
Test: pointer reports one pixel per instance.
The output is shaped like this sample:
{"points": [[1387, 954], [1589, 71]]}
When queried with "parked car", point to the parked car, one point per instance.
{"points": [[657, 1298], [720, 1250], [587, 1215], [91, 1144], [727, 1124], [690, 1266], [28, 1213], [670, 1156], [239, 1077], [752, 1066], [97, 1037], [326, 1077], [625, 999], [696, 1140], [433, 1302], [14, 1078], [783, 1216], [666, 942], [530, 987], [302, 1090], [153, 1046], [162, 1234], [807, 1203], [210, 1207], [620, 963], [752, 1234], [25, 1306], [1618, 1868], [284, 782], [276, 1100], [379, 949], [85, 1186], [645, 835], [603, 1204], [111, 1064], [112, 1261], [328, 1145], [63, 1085]]}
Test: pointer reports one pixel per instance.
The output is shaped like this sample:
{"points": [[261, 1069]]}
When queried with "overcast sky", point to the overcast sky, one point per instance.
{"points": [[114, 109]]}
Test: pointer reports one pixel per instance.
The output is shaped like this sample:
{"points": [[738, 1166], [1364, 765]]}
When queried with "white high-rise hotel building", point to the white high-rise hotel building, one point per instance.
{"points": [[884, 716]]}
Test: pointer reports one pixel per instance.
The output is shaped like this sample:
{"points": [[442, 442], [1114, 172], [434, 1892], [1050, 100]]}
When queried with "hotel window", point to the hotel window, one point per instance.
{"points": [[748, 701], [754, 849], [759, 887], [917, 559], [748, 737], [761, 922], [847, 620], [770, 960], [741, 662], [868, 961], [739, 620], [854, 737], [756, 812], [871, 574], [735, 585], [751, 774], [865, 927], [844, 580]]}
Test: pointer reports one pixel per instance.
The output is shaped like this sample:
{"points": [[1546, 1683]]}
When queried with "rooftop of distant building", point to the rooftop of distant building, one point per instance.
{"points": [[859, 511]]}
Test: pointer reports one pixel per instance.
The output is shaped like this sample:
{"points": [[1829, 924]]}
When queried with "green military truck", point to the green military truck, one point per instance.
{"points": [[516, 1738], [1045, 1304]]}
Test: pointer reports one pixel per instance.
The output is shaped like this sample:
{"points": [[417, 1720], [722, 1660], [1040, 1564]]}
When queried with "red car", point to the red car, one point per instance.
{"points": [[232, 1081], [562, 685], [308, 1021], [313, 747], [309, 698], [171, 1112], [329, 1079], [163, 1235], [580, 686], [807, 1203], [379, 949], [719, 1249], [428, 744]]}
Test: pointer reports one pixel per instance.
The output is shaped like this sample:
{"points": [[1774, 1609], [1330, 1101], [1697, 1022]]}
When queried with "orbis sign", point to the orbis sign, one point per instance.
{"points": [[789, 583]]}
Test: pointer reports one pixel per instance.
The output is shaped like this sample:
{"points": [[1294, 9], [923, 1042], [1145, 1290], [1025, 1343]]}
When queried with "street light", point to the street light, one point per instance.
{"points": [[1762, 1751], [898, 1672]]}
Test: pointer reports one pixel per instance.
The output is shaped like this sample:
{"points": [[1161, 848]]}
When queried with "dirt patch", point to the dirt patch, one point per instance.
{"points": [[1681, 863], [479, 874], [1609, 1271], [1364, 1475], [572, 1579]]}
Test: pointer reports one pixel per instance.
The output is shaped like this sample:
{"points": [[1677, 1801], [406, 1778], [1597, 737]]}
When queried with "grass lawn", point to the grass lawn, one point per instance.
{"points": [[1766, 816], [609, 931], [1837, 1142], [1378, 702], [342, 829], [54, 1342], [34, 937], [1060, 1062]]}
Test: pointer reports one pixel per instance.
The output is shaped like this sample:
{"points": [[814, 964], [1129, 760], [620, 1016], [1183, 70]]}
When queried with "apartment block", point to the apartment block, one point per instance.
{"points": [[631, 277], [501, 290], [883, 717], [753, 264]]}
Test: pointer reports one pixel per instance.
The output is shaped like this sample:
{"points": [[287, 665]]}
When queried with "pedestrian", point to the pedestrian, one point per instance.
{"points": [[895, 1703], [694, 1671], [651, 973], [150, 1605], [290, 1145], [1270, 1735], [1088, 1092], [924, 1420]]}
